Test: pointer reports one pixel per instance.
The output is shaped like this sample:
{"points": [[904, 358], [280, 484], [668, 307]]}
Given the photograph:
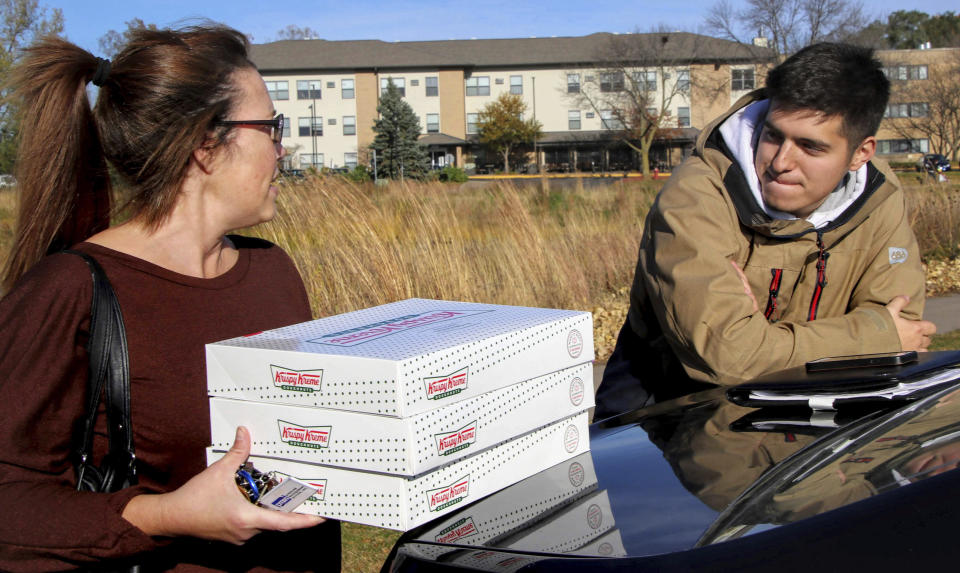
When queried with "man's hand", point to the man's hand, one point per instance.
{"points": [[914, 334], [746, 286]]}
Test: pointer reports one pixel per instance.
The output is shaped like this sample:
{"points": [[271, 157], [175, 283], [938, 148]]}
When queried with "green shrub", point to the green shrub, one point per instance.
{"points": [[359, 174], [452, 174]]}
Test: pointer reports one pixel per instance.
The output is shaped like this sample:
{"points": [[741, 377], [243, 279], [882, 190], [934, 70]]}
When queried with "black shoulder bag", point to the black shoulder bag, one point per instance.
{"points": [[110, 376]]}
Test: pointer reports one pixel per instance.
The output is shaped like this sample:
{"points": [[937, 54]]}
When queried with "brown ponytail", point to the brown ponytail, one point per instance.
{"points": [[160, 101], [61, 172]]}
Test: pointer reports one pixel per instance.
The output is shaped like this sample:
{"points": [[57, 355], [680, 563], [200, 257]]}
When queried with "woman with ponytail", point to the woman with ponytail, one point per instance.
{"points": [[185, 122]]}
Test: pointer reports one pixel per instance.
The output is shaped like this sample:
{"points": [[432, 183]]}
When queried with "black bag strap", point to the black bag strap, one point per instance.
{"points": [[110, 375]]}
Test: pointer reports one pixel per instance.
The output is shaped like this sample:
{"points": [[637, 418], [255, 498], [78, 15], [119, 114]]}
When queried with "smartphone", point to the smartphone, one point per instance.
{"points": [[862, 361]]}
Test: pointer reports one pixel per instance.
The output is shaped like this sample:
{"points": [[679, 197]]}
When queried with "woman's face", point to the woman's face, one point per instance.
{"points": [[247, 166]]}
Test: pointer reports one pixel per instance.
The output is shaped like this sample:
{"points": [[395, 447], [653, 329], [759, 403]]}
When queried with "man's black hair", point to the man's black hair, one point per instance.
{"points": [[834, 79]]}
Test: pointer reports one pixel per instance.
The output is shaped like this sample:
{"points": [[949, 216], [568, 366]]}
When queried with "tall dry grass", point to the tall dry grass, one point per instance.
{"points": [[935, 218], [358, 245]]}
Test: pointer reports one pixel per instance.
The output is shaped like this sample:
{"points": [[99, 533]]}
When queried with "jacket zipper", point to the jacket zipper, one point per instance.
{"points": [[821, 277], [774, 291]]}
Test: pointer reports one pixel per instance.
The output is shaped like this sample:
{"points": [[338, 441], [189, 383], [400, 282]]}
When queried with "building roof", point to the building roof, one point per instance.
{"points": [[677, 47]]}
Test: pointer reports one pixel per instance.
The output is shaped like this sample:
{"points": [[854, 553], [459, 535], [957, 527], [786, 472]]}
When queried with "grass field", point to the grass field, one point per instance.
{"points": [[360, 245]]}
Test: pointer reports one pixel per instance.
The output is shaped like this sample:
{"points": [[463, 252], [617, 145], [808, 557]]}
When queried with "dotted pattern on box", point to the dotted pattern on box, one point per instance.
{"points": [[549, 396], [385, 509]]}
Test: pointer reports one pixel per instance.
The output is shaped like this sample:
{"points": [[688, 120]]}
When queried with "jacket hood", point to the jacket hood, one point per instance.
{"points": [[710, 146]]}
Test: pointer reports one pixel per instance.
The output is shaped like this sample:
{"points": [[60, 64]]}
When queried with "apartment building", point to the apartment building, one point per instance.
{"points": [[329, 91], [924, 84]]}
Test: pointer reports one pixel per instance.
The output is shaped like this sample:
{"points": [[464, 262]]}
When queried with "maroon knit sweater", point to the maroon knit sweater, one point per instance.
{"points": [[169, 317]]}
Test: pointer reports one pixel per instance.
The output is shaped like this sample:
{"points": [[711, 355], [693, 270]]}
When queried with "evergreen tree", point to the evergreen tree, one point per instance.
{"points": [[399, 155]]}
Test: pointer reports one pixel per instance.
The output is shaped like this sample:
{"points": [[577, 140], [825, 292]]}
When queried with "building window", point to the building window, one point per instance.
{"points": [[286, 128], [346, 89], [609, 120], [350, 160], [683, 81], [349, 125], [741, 79], [888, 146], [573, 119], [278, 90], [478, 86], [433, 86], [398, 83], [645, 80], [332, 121], [304, 126], [906, 72], [611, 82], [472, 122], [914, 109], [433, 123], [683, 117], [516, 85], [573, 83], [311, 160], [414, 83], [308, 89]]}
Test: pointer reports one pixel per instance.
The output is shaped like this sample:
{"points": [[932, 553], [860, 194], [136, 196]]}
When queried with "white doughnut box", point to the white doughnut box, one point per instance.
{"points": [[399, 359]]}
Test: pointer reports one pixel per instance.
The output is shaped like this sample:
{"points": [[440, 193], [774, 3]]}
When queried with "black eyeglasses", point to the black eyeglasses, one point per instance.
{"points": [[276, 125]]}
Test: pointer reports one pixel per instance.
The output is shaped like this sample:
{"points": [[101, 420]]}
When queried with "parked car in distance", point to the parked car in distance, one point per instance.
{"points": [[933, 162], [7, 181], [695, 482]]}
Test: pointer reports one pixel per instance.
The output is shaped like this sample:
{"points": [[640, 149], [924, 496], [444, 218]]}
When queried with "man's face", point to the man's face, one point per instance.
{"points": [[801, 158]]}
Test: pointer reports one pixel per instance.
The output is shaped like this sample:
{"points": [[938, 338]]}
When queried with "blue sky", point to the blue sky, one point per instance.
{"points": [[404, 20]]}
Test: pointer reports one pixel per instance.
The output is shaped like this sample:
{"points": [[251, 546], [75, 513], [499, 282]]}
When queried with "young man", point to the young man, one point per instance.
{"points": [[779, 241]]}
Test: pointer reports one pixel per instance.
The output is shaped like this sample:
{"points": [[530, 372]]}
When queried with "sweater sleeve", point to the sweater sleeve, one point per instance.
{"points": [[712, 326], [43, 375]]}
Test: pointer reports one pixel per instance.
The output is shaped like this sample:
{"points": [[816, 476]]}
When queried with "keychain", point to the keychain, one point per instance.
{"points": [[253, 483]]}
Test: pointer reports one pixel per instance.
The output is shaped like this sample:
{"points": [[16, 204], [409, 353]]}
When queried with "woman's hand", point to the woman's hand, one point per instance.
{"points": [[210, 506]]}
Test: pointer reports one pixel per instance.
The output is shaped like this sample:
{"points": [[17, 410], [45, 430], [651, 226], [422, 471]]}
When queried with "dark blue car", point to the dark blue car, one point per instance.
{"points": [[700, 483]]}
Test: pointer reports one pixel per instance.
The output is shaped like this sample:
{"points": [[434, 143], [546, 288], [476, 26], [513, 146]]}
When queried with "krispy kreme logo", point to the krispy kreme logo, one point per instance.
{"points": [[439, 387], [571, 439], [368, 332], [313, 437], [296, 380], [458, 530], [594, 516], [442, 498], [450, 442], [576, 391], [576, 474], [319, 484], [574, 343]]}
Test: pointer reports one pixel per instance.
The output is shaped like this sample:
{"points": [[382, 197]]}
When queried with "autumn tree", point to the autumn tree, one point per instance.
{"points": [[502, 127], [788, 24], [21, 22], [398, 155]]}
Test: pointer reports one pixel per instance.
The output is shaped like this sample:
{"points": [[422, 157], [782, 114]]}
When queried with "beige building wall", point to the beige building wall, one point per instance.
{"points": [[939, 63], [368, 94], [452, 105], [331, 107]]}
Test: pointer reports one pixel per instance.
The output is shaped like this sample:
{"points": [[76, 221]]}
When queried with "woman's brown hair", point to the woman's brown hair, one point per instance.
{"points": [[158, 103]]}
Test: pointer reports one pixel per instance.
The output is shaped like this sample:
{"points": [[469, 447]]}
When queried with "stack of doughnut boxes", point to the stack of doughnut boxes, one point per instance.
{"points": [[400, 413]]}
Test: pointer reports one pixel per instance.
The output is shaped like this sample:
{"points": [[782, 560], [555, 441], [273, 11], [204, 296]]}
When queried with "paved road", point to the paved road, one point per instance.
{"points": [[944, 311]]}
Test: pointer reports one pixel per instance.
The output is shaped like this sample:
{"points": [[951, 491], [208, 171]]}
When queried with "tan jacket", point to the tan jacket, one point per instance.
{"points": [[688, 295]]}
